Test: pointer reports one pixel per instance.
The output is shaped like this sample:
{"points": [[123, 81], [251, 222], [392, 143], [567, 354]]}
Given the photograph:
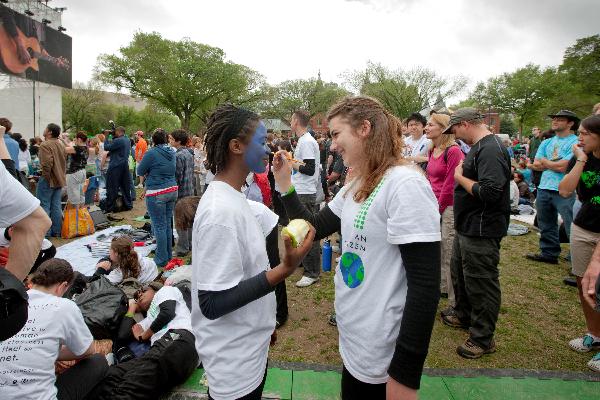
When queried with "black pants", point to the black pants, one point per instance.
{"points": [[474, 271], [280, 290], [256, 394], [79, 380], [118, 178], [43, 256], [353, 389], [169, 362]]}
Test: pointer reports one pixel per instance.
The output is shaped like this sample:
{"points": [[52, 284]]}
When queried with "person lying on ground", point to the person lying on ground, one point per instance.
{"points": [[55, 330], [124, 262], [172, 356]]}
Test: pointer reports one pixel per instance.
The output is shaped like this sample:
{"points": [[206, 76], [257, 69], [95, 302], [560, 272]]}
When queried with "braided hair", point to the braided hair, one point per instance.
{"points": [[227, 122]]}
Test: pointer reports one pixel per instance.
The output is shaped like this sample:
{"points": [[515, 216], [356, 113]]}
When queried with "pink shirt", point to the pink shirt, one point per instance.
{"points": [[440, 173]]}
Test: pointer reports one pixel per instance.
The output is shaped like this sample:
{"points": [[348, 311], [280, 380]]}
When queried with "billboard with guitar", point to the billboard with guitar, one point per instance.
{"points": [[33, 50]]}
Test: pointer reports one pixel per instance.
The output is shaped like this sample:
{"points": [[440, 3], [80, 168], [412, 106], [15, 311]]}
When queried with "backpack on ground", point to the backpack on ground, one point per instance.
{"points": [[103, 306]]}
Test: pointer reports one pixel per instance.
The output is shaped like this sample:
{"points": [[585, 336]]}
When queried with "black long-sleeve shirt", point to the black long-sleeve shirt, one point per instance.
{"points": [[486, 212]]}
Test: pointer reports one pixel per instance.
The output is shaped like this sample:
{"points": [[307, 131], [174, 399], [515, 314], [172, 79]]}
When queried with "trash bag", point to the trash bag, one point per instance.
{"points": [[103, 306], [77, 222]]}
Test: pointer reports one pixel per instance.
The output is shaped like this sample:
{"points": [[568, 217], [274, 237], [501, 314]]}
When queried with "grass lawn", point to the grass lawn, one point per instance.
{"points": [[539, 315]]}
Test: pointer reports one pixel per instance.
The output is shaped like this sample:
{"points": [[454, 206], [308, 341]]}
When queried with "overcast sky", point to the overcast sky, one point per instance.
{"points": [[285, 39]]}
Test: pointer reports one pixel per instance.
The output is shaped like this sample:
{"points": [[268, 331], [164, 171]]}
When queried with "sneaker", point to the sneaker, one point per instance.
{"points": [[331, 320], [306, 281], [584, 344], [471, 350], [453, 321], [594, 363], [542, 258]]}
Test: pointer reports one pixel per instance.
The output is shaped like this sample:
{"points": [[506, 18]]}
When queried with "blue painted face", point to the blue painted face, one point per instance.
{"points": [[257, 150]]}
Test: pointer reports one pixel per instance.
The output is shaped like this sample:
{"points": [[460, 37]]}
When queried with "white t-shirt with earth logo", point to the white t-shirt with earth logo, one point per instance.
{"points": [[370, 281]]}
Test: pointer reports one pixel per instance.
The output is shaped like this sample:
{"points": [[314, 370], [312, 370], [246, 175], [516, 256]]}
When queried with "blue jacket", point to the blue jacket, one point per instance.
{"points": [[13, 149], [118, 150], [158, 165]]}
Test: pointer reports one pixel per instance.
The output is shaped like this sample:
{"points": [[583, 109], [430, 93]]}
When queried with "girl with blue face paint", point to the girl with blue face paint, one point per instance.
{"points": [[257, 152], [233, 304]]}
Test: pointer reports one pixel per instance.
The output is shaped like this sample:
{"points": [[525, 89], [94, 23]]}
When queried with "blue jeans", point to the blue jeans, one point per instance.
{"points": [[160, 209], [50, 202], [549, 204]]}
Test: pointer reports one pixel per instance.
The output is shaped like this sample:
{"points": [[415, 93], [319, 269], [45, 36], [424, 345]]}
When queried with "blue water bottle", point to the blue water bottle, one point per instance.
{"points": [[326, 262]]}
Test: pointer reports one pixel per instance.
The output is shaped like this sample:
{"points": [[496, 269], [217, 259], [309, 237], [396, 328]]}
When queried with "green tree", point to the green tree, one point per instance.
{"points": [[522, 93], [581, 63], [79, 105], [404, 92], [184, 77], [507, 125], [312, 95]]}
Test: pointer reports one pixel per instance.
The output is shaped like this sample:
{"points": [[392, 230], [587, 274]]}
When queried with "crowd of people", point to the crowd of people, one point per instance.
{"points": [[419, 208]]}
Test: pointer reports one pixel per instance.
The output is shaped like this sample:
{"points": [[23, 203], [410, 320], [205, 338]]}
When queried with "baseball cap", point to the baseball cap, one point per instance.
{"points": [[462, 115], [13, 304]]}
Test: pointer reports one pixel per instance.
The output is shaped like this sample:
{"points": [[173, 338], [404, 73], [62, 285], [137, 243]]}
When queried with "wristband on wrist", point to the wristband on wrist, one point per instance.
{"points": [[291, 190], [580, 160], [129, 314]]}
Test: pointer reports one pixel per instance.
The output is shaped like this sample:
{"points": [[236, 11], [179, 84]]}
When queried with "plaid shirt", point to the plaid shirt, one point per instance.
{"points": [[184, 172]]}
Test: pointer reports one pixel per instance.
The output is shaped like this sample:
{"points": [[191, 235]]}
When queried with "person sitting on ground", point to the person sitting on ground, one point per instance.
{"points": [[124, 262], [525, 196], [55, 330], [172, 357]]}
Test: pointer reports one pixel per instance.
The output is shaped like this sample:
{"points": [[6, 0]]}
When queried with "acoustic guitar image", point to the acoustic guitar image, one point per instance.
{"points": [[10, 56]]}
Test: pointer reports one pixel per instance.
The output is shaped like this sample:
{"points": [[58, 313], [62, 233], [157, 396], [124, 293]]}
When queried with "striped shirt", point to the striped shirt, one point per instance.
{"points": [[184, 172]]}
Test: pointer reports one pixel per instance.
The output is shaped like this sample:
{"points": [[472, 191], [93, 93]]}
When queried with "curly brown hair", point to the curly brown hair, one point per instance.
{"points": [[383, 145], [128, 258]]}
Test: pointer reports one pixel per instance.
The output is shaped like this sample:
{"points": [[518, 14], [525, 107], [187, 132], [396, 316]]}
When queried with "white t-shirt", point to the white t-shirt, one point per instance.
{"points": [[514, 194], [418, 147], [27, 359], [307, 149], [228, 246], [182, 319], [148, 272], [370, 281], [266, 218], [16, 202]]}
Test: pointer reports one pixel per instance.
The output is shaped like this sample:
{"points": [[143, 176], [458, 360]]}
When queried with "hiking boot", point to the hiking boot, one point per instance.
{"points": [[584, 344], [453, 321], [594, 363], [542, 258], [306, 281], [471, 350]]}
